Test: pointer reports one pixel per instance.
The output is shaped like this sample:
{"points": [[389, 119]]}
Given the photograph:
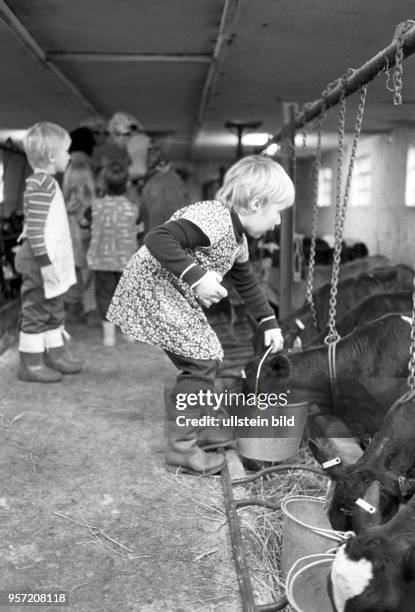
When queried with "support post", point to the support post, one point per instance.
{"points": [[287, 217]]}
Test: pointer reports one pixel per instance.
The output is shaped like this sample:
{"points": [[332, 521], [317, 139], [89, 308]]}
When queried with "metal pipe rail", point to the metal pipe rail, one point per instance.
{"points": [[231, 507], [361, 76]]}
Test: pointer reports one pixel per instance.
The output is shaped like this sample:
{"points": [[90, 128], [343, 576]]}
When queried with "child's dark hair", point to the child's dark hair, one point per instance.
{"points": [[115, 177]]}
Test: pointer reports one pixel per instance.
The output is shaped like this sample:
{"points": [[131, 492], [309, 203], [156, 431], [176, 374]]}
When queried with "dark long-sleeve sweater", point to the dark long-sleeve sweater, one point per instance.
{"points": [[168, 242]]}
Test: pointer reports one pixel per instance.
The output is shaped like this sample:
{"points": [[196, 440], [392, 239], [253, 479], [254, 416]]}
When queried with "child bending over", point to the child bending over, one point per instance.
{"points": [[45, 259], [179, 269]]}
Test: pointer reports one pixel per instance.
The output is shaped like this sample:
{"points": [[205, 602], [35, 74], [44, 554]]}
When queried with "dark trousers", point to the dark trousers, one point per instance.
{"points": [[37, 313], [105, 285], [195, 375]]}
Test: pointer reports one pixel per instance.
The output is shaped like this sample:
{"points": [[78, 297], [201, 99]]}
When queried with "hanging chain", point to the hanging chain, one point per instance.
{"points": [[341, 204], [411, 365], [400, 32], [356, 135], [388, 87], [397, 75], [314, 221], [333, 334]]}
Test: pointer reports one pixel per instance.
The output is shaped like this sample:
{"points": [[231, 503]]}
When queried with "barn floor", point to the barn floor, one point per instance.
{"points": [[83, 458]]}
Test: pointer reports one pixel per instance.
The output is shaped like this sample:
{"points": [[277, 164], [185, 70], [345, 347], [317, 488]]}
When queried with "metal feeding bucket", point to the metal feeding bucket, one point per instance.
{"points": [[306, 585], [276, 443], [307, 530]]}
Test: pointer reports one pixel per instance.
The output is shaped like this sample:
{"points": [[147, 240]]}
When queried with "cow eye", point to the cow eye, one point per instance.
{"points": [[346, 512]]}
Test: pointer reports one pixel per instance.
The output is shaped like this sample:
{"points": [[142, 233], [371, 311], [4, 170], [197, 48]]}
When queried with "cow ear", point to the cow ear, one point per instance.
{"points": [[366, 511], [279, 367], [408, 564], [324, 455]]}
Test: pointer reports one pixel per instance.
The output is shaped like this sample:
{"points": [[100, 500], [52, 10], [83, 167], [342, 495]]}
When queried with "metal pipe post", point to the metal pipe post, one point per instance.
{"points": [[287, 217]]}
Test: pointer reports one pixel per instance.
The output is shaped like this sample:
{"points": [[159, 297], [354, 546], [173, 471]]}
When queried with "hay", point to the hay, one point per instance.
{"points": [[262, 528]]}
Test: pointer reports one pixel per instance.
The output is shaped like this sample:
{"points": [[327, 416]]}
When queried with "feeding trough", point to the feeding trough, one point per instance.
{"points": [[306, 585], [307, 530], [277, 442]]}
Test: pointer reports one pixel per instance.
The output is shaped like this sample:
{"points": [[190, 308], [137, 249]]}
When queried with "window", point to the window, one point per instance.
{"points": [[325, 187], [361, 188], [410, 177]]}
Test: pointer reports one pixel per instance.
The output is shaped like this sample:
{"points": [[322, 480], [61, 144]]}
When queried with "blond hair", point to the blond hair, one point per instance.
{"points": [[256, 177], [42, 141], [78, 178]]}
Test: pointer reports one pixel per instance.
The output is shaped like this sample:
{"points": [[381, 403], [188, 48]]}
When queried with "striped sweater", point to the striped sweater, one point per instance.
{"points": [[39, 193]]}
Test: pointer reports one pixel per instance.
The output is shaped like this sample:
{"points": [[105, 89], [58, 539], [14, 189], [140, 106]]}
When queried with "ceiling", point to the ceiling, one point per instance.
{"points": [[186, 67]]}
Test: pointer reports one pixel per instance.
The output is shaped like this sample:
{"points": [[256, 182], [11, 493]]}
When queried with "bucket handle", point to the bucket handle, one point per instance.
{"points": [[331, 534], [319, 559]]}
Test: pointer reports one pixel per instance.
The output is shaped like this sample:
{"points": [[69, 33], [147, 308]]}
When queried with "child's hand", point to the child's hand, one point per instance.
{"points": [[49, 276], [274, 338], [209, 290]]}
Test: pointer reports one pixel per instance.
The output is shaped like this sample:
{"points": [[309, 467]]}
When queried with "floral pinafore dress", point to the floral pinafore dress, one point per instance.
{"points": [[154, 306]]}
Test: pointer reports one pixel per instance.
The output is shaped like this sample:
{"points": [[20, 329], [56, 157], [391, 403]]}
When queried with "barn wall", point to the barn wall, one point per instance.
{"points": [[387, 225]]}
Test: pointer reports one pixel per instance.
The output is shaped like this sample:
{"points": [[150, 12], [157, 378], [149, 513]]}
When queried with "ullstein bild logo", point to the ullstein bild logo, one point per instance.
{"points": [[236, 421], [213, 400]]}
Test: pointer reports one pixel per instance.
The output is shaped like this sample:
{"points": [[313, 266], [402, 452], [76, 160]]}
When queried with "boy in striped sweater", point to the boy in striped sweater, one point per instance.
{"points": [[45, 259]]}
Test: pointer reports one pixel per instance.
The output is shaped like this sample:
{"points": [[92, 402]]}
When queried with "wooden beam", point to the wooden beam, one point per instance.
{"points": [[70, 56], [227, 24], [26, 39]]}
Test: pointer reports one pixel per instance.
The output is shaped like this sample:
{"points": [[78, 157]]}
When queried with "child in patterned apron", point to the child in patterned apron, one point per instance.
{"points": [[45, 259], [179, 269]]}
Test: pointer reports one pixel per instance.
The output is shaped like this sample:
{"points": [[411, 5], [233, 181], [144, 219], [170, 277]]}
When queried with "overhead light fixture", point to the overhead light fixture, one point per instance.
{"points": [[272, 149], [255, 139]]}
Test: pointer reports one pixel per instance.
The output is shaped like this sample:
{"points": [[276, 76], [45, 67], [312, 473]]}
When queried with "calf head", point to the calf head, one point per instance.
{"points": [[353, 482], [375, 571], [273, 376]]}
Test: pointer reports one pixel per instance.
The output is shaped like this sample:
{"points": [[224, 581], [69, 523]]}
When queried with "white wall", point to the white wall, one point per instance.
{"points": [[387, 226]]}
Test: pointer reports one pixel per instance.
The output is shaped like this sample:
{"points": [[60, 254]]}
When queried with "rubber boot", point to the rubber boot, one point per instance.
{"points": [[108, 330], [182, 452], [57, 356], [59, 359], [216, 436], [33, 369], [186, 457]]}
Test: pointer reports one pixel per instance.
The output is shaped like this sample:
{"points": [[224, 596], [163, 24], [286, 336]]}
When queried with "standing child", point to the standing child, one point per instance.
{"points": [[45, 259], [179, 269], [79, 192], [113, 240]]}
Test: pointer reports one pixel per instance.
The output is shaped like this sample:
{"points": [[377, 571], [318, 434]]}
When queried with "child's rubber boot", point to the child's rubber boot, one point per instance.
{"points": [[33, 369], [108, 330], [57, 356], [59, 359], [184, 456]]}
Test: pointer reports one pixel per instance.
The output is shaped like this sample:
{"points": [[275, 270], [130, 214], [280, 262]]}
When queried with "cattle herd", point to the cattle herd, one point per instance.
{"points": [[373, 412]]}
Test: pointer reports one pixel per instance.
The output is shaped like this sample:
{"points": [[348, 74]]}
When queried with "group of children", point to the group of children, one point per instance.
{"points": [[160, 296]]}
